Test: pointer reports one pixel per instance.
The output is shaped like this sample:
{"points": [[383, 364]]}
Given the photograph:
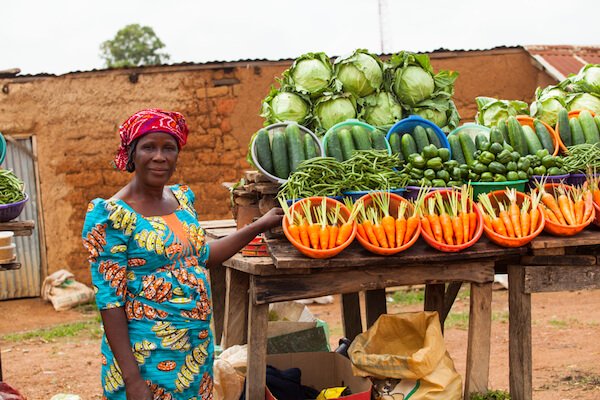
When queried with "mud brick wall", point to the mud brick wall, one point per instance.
{"points": [[75, 118]]}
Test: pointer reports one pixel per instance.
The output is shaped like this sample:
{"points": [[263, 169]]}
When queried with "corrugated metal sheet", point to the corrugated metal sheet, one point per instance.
{"points": [[24, 282], [560, 61]]}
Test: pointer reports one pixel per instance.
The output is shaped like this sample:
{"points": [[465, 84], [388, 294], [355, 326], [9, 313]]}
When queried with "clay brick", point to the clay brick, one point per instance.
{"points": [[215, 92], [230, 143], [226, 126], [226, 106]]}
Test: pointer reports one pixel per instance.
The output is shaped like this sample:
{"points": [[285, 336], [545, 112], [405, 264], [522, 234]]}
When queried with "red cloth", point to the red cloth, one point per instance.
{"points": [[8, 393], [147, 121]]}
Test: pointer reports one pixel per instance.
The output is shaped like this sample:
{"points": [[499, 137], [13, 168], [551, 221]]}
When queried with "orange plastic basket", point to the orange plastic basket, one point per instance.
{"points": [[564, 230], [572, 114], [525, 120]]}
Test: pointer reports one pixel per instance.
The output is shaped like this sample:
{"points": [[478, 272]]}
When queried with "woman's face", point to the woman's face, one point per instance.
{"points": [[155, 157]]}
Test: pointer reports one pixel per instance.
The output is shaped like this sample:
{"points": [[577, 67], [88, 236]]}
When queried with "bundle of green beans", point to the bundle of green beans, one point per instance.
{"points": [[582, 157], [11, 187], [319, 176], [372, 170]]}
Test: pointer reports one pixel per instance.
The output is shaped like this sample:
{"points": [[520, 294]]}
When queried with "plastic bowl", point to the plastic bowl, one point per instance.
{"points": [[548, 179], [579, 179], [355, 195], [487, 187], [572, 114], [315, 253], [395, 201], [412, 192], [407, 125], [525, 120], [292, 201], [8, 212], [454, 248], [472, 129], [564, 230], [506, 241], [347, 124], [271, 129]]}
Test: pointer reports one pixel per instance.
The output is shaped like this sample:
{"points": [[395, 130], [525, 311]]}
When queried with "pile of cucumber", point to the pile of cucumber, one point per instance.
{"points": [[281, 151], [342, 142], [406, 143], [578, 130]]}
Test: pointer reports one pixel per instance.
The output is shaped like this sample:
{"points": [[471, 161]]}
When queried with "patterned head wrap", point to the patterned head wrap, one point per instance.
{"points": [[147, 121]]}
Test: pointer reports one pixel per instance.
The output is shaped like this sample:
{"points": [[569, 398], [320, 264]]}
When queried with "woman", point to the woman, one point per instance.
{"points": [[149, 263]]}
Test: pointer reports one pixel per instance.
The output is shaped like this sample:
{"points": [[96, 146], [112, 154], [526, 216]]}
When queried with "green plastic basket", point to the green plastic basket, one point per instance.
{"points": [[472, 130], [487, 187], [349, 123]]}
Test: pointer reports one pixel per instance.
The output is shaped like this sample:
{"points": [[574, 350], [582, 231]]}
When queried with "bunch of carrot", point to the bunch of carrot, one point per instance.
{"points": [[567, 205], [453, 220], [317, 226], [509, 219], [380, 228], [593, 184]]}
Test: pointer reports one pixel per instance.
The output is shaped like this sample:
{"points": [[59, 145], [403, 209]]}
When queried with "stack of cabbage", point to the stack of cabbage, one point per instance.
{"points": [[579, 91], [319, 94]]}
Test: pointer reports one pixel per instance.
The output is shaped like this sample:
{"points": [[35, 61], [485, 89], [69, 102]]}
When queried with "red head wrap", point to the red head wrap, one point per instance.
{"points": [[147, 121]]}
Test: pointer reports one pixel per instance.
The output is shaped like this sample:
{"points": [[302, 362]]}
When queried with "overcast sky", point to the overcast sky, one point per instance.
{"points": [[60, 36]]}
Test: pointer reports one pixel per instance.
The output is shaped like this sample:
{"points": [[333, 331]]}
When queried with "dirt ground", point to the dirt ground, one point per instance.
{"points": [[565, 330]]}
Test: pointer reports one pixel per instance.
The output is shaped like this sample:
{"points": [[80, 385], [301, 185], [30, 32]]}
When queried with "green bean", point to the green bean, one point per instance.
{"points": [[11, 187], [581, 157]]}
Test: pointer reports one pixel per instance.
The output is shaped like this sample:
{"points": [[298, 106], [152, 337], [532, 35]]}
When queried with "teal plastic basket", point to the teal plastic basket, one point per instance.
{"points": [[487, 187], [2, 148], [472, 130]]}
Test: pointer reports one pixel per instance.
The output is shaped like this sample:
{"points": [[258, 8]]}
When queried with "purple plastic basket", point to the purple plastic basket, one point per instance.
{"points": [[8, 212], [578, 179], [412, 192], [549, 179], [355, 195]]}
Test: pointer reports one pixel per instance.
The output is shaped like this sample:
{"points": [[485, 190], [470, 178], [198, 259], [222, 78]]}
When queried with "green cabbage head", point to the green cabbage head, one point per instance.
{"points": [[360, 73]]}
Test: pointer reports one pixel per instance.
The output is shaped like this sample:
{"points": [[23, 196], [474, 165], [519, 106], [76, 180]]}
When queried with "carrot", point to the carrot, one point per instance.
{"points": [[346, 228], [445, 220], [313, 229], [434, 221], [550, 215], [304, 239], [378, 229], [382, 201], [550, 202], [536, 197], [578, 205], [401, 225], [468, 192], [565, 204], [497, 224], [457, 225], [368, 227], [464, 213], [525, 217], [412, 222], [289, 215], [334, 229], [487, 221], [596, 196], [514, 212], [361, 231], [588, 205], [322, 221], [506, 219], [426, 225]]}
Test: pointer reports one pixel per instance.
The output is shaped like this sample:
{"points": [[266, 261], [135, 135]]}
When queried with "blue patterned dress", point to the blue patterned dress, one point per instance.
{"points": [[154, 267]]}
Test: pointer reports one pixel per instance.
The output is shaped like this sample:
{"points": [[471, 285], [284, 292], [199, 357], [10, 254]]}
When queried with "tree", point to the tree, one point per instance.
{"points": [[132, 46]]}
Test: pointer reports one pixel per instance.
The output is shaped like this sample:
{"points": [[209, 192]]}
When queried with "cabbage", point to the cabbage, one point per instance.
{"points": [[413, 85], [331, 109], [380, 109], [490, 111], [584, 101], [588, 79], [548, 103], [310, 74], [359, 73], [281, 106], [439, 110]]}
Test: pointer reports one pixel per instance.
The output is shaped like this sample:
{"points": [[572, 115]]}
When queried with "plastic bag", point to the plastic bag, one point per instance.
{"points": [[64, 292], [405, 356]]}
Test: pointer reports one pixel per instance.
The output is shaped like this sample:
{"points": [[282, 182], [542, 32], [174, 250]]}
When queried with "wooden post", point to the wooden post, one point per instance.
{"points": [[374, 305], [256, 375], [235, 323], [351, 315], [519, 335], [434, 300], [478, 347]]}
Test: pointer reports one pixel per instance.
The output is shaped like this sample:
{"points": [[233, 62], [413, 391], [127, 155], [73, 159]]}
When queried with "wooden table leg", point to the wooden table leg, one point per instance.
{"points": [[351, 315], [519, 335], [434, 300], [478, 347], [257, 350], [374, 305], [235, 323], [218, 291]]}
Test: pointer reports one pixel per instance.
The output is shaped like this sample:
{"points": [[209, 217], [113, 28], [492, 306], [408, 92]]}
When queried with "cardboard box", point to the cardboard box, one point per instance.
{"points": [[323, 370]]}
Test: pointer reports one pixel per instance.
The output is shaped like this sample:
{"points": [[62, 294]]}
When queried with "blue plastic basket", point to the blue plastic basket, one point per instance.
{"points": [[407, 125]]}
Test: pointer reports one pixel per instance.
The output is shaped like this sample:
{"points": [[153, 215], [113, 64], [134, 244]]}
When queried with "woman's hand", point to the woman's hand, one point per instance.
{"points": [[138, 390], [271, 219]]}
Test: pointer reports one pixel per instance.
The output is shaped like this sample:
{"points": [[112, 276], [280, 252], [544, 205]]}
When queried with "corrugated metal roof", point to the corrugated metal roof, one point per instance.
{"points": [[560, 61]]}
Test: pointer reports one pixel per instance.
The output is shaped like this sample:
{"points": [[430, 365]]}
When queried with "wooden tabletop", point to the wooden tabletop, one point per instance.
{"points": [[20, 228]]}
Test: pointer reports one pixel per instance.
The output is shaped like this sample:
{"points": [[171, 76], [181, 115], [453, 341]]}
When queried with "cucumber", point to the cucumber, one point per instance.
{"points": [[468, 147], [378, 140], [496, 135], [433, 138], [564, 130], [395, 143], [480, 140], [577, 136], [597, 121], [408, 145], [457, 153], [263, 150], [590, 130], [295, 147], [310, 147], [503, 129], [533, 142], [346, 142], [515, 136], [279, 154], [420, 136], [334, 148], [360, 137], [543, 135]]}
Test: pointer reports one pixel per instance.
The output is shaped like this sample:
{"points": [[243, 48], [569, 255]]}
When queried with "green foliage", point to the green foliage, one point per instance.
{"points": [[133, 45], [67, 330], [491, 395], [408, 297]]}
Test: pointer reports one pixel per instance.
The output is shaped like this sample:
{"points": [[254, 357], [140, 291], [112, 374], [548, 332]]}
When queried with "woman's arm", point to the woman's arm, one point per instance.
{"points": [[117, 334], [225, 248]]}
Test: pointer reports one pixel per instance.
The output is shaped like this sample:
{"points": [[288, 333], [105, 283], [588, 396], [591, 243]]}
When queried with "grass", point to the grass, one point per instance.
{"points": [[563, 324], [490, 395], [411, 296], [460, 320], [60, 331]]}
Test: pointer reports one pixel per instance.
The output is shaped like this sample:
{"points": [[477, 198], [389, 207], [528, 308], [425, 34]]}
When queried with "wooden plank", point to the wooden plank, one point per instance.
{"points": [[586, 237], [218, 288], [375, 305], [218, 223], [322, 282], [563, 260], [559, 278], [478, 347], [287, 256], [519, 335], [235, 319], [18, 226], [260, 266], [351, 320], [434, 300], [257, 350], [552, 251], [449, 297], [10, 266]]}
